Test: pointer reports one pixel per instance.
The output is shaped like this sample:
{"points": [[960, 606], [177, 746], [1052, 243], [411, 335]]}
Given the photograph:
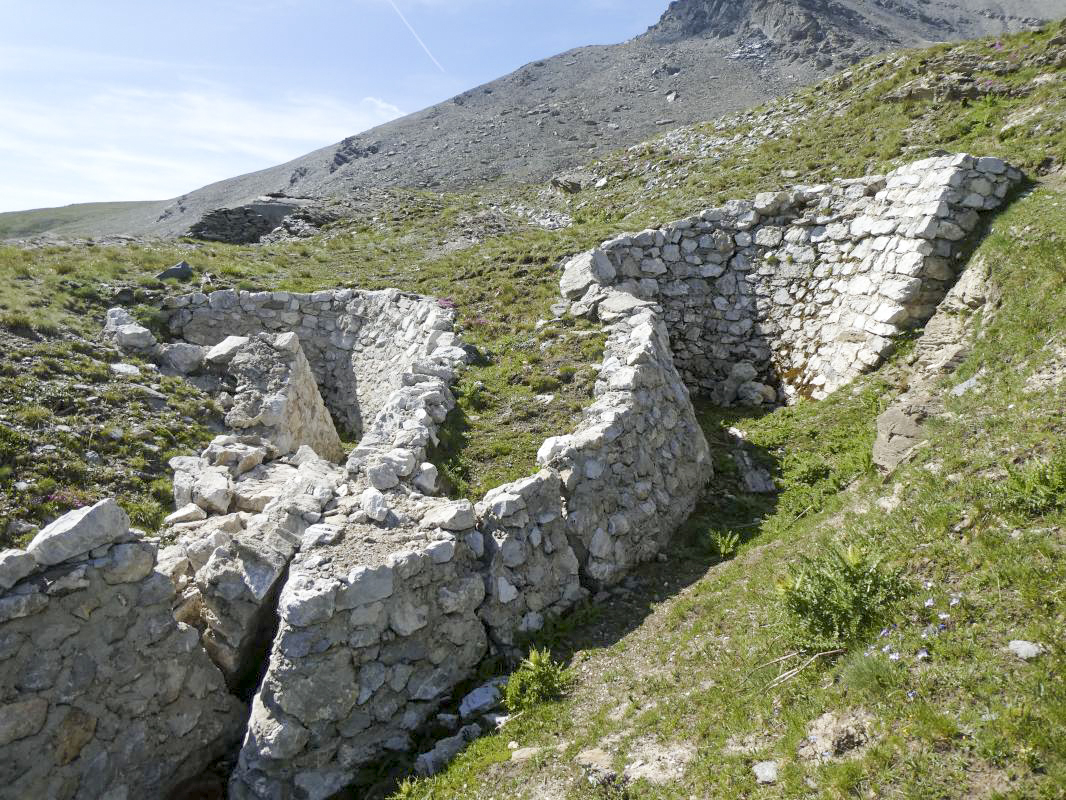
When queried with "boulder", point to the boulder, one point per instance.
{"points": [[77, 532]]}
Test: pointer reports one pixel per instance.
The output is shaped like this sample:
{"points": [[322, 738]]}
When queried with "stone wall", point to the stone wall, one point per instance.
{"points": [[359, 344], [810, 287], [102, 693], [244, 224], [396, 597], [387, 598], [229, 566], [638, 461], [361, 660]]}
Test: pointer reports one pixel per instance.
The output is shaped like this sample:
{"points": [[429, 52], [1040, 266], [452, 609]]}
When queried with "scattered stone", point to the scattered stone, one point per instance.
{"points": [[483, 699], [445, 751], [187, 513], [765, 772], [77, 532], [180, 271], [126, 370], [374, 504], [1024, 650]]}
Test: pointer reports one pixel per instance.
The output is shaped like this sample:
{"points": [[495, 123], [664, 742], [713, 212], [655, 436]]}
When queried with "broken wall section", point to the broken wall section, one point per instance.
{"points": [[359, 343], [102, 693], [633, 470]]}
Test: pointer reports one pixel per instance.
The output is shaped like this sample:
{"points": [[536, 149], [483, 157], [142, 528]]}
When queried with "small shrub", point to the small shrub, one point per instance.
{"points": [[1033, 490], [145, 513], [725, 543], [836, 597], [34, 415], [12, 445], [16, 321], [537, 680]]}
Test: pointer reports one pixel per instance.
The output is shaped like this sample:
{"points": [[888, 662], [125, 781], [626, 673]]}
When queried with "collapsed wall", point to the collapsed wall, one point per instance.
{"points": [[359, 343], [806, 288], [102, 693]]}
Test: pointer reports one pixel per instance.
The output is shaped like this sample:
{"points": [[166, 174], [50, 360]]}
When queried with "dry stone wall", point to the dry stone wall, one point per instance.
{"points": [[633, 469], [396, 596], [103, 694], [359, 344], [805, 289]]}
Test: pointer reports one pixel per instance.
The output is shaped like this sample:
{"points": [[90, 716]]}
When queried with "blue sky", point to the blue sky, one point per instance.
{"points": [[123, 100]]}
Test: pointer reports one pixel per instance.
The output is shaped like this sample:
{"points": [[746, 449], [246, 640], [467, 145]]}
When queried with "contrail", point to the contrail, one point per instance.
{"points": [[415, 34]]}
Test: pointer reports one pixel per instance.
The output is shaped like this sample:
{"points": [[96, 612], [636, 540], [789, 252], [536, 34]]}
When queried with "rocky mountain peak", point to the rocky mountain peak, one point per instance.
{"points": [[819, 31], [723, 18]]}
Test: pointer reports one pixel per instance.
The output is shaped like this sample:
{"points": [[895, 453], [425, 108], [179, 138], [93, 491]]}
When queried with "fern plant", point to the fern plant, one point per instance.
{"points": [[1034, 490], [836, 597]]}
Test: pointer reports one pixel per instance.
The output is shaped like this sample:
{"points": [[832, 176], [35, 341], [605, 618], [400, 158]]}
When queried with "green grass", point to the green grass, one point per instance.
{"points": [[66, 219], [503, 285], [706, 652]]}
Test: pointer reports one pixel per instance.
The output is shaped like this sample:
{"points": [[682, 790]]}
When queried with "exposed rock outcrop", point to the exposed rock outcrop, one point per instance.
{"points": [[277, 397], [945, 343]]}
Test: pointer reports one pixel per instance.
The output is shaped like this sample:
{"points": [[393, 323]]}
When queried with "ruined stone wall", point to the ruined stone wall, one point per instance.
{"points": [[359, 343], [395, 598], [387, 598], [810, 286], [637, 462], [244, 224], [102, 693], [360, 662]]}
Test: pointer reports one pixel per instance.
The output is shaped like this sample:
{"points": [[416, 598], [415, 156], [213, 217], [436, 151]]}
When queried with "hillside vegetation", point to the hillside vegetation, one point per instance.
{"points": [[480, 252], [698, 663], [699, 669]]}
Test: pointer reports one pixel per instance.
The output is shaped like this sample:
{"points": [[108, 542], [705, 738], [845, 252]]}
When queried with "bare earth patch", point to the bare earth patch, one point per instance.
{"points": [[658, 762]]}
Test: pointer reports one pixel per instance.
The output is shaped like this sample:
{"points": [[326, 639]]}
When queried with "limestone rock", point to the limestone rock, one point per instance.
{"points": [[77, 532], [454, 516], [14, 566], [277, 397]]}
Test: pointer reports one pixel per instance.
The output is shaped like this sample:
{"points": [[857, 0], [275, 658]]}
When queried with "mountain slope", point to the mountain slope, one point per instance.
{"points": [[704, 58]]}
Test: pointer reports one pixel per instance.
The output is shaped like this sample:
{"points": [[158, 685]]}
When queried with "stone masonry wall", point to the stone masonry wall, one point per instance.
{"points": [[102, 693], [396, 596], [809, 286], [359, 343], [388, 597], [636, 464]]}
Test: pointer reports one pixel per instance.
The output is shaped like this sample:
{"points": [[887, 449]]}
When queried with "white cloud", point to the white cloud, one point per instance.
{"points": [[133, 144]]}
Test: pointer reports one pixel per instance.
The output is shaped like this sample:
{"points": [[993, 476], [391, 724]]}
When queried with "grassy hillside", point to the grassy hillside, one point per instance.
{"points": [[696, 667], [700, 668], [500, 270], [64, 220]]}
